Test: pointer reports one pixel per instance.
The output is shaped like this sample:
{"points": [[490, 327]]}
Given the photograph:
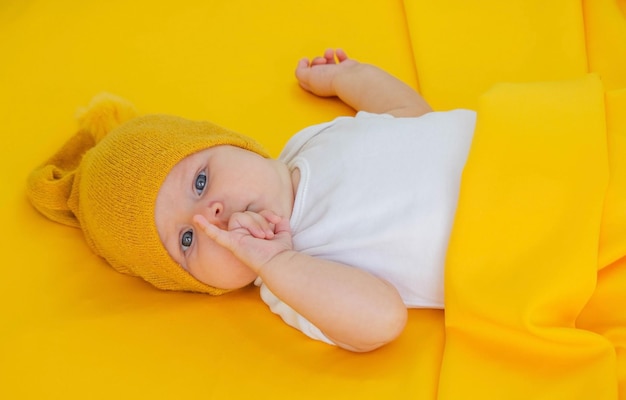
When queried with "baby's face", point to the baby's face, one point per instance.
{"points": [[215, 183]]}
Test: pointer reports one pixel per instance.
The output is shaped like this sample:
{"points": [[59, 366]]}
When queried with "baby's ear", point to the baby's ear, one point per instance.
{"points": [[105, 112]]}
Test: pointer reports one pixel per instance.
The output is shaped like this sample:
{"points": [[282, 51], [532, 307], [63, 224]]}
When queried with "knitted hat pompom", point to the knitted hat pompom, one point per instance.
{"points": [[106, 178], [50, 185], [105, 113]]}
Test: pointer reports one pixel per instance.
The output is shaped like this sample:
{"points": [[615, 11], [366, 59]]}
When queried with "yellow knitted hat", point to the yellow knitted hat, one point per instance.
{"points": [[106, 178]]}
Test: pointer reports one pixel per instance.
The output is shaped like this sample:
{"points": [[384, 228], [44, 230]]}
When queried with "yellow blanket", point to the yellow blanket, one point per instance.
{"points": [[536, 275], [536, 279], [523, 258]]}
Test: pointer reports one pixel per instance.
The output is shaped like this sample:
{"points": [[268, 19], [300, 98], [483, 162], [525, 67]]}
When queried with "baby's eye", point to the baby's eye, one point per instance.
{"points": [[200, 182], [186, 240]]}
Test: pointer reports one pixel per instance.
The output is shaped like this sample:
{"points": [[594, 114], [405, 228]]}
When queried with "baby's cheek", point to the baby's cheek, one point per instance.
{"points": [[208, 261]]}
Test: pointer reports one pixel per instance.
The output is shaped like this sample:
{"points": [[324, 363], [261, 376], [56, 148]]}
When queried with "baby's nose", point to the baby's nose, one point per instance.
{"points": [[214, 213]]}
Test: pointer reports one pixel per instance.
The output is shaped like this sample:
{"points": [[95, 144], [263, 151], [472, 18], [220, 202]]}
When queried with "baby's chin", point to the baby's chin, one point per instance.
{"points": [[252, 207]]}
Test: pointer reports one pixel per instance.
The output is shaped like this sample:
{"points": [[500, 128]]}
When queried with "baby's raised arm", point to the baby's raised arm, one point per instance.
{"points": [[353, 308], [363, 87]]}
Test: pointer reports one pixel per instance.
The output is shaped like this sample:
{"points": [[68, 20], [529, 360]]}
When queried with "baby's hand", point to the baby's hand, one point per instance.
{"points": [[317, 76], [254, 238]]}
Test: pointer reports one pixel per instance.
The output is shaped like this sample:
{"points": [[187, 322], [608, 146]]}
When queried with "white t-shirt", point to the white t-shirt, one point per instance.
{"points": [[378, 193]]}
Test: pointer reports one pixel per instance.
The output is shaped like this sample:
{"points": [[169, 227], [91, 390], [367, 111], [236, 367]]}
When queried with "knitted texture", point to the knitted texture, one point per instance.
{"points": [[106, 178]]}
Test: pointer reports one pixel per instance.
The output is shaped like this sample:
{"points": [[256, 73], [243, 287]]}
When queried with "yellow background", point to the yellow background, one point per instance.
{"points": [[74, 328]]}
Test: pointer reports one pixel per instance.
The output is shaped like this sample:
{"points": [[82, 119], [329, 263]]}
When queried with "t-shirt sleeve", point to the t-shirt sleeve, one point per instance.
{"points": [[289, 315]]}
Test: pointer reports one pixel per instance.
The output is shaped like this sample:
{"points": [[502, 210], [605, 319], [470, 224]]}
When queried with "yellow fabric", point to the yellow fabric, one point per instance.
{"points": [[606, 42], [106, 178], [73, 328], [536, 277], [523, 255], [461, 48]]}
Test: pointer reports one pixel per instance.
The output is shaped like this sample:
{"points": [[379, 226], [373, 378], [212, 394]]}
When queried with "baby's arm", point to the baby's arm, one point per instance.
{"points": [[363, 87], [353, 308]]}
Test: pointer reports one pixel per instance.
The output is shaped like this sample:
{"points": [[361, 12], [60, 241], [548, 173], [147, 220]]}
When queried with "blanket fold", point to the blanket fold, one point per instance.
{"points": [[523, 256]]}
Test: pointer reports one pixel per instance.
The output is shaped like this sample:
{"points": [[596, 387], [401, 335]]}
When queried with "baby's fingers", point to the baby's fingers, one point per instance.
{"points": [[270, 216], [341, 55], [329, 55], [303, 63], [319, 61], [332, 56], [256, 224], [213, 232], [280, 224]]}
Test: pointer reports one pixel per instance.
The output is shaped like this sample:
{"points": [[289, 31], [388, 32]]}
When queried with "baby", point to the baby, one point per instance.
{"points": [[343, 232]]}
